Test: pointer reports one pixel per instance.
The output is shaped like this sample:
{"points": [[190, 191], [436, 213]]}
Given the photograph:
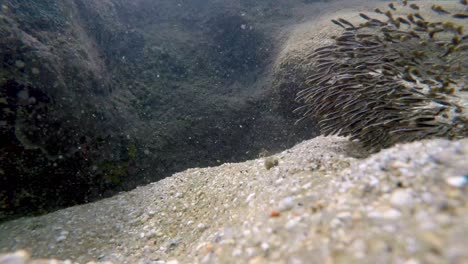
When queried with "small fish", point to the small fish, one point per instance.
{"points": [[392, 6], [415, 71], [389, 15], [405, 2], [411, 18], [364, 35], [337, 23], [418, 54], [414, 34], [346, 22], [449, 50], [378, 22], [364, 16], [404, 21], [451, 26], [420, 29], [418, 16], [434, 31], [403, 38], [439, 9], [461, 16], [464, 2], [395, 23], [378, 11], [441, 43], [421, 24], [456, 40], [365, 24], [435, 24], [414, 6]]}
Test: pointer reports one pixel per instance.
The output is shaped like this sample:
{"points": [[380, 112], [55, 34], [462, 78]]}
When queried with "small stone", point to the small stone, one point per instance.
{"points": [[388, 214], [292, 223], [60, 238], [286, 204], [250, 198], [457, 181], [202, 226], [344, 215], [236, 252], [401, 198]]}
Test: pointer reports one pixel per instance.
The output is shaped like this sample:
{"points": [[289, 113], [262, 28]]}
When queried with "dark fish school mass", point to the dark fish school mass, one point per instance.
{"points": [[395, 78]]}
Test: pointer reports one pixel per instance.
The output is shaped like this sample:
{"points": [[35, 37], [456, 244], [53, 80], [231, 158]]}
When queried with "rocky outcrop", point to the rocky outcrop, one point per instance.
{"points": [[101, 96]]}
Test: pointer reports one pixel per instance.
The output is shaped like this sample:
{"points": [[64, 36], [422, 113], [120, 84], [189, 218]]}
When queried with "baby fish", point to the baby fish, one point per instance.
{"points": [[389, 15], [461, 16], [414, 6], [439, 9], [433, 32], [404, 21], [392, 6], [337, 23], [449, 50], [418, 16], [346, 22], [376, 21], [414, 34], [378, 11], [364, 16]]}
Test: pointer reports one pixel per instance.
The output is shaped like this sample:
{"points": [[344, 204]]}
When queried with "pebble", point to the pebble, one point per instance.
{"points": [[387, 214], [457, 181], [286, 204], [401, 198], [250, 197]]}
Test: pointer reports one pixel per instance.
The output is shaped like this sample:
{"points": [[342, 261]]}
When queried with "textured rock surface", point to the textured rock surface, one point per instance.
{"points": [[319, 204], [100, 96]]}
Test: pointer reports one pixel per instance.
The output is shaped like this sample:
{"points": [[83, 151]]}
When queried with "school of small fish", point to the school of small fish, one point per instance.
{"points": [[396, 78]]}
